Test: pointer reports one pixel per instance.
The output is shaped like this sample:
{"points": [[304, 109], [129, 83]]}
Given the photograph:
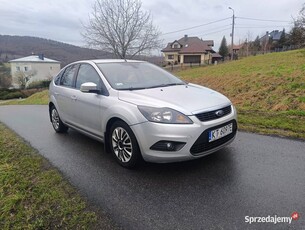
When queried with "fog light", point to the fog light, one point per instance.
{"points": [[168, 146]]}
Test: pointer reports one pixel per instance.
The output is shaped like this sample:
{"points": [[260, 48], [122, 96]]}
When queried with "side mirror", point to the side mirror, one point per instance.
{"points": [[89, 87]]}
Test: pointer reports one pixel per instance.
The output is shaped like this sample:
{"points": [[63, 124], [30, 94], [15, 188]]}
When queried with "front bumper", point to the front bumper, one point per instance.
{"points": [[194, 135]]}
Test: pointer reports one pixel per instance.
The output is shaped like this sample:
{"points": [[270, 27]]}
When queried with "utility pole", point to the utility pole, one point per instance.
{"points": [[232, 34]]}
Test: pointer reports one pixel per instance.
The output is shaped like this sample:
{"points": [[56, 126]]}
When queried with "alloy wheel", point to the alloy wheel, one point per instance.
{"points": [[121, 144], [55, 119]]}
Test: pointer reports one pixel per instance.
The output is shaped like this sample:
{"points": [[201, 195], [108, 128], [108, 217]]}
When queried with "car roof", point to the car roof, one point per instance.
{"points": [[99, 61]]}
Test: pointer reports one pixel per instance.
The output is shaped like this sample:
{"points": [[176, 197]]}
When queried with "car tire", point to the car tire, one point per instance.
{"points": [[123, 145], [57, 124]]}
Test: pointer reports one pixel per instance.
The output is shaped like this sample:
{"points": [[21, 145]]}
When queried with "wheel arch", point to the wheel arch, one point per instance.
{"points": [[51, 104], [110, 122]]}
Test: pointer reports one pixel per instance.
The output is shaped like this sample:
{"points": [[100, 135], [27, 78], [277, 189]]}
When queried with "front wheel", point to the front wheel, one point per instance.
{"points": [[123, 145], [57, 124]]}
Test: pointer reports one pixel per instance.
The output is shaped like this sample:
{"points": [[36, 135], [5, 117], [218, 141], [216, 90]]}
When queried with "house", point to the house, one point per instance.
{"points": [[272, 41], [275, 35], [189, 50], [216, 57], [33, 68]]}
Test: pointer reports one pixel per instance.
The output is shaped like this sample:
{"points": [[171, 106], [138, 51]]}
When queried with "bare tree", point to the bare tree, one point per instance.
{"points": [[5, 76], [297, 33], [122, 28], [23, 77]]}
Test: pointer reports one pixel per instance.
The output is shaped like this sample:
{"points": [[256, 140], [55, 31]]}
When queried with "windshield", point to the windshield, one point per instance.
{"points": [[137, 75]]}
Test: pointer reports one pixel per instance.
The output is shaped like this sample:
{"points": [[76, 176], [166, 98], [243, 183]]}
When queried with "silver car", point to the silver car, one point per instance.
{"points": [[140, 111]]}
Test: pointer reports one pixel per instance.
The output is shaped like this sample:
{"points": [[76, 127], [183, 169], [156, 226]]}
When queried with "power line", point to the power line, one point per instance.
{"points": [[218, 31], [209, 31], [258, 27], [262, 20], [215, 28], [193, 27]]}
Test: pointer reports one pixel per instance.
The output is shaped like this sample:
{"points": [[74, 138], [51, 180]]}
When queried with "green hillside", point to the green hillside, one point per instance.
{"points": [[268, 90]]}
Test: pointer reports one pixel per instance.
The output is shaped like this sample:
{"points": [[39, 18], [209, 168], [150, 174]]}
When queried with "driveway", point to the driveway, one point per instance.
{"points": [[255, 176]]}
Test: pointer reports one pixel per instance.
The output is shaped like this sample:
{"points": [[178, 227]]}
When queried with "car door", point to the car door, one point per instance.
{"points": [[87, 106], [64, 93]]}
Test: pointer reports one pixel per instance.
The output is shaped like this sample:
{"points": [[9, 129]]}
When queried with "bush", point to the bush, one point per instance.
{"points": [[12, 95], [39, 84], [29, 92], [4, 92]]}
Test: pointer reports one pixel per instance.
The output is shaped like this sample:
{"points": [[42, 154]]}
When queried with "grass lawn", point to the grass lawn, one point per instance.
{"points": [[268, 90], [40, 98], [33, 195]]}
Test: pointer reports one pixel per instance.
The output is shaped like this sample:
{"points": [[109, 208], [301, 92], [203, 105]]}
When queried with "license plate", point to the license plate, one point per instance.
{"points": [[221, 132]]}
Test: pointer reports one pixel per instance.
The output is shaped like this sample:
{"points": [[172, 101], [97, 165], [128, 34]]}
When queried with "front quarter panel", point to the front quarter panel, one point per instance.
{"points": [[125, 111]]}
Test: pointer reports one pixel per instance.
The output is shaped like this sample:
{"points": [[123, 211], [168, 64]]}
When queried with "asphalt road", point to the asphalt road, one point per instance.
{"points": [[255, 176]]}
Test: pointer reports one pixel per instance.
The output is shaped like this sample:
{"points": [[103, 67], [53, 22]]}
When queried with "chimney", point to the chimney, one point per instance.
{"points": [[185, 37], [41, 56]]}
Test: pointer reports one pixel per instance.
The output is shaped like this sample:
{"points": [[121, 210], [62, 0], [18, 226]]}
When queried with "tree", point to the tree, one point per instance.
{"points": [[122, 28], [297, 33], [282, 41], [23, 77], [5, 76], [223, 49], [255, 46]]}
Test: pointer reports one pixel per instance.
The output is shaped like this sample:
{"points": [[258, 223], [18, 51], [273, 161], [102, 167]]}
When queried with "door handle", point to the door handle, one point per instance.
{"points": [[74, 98]]}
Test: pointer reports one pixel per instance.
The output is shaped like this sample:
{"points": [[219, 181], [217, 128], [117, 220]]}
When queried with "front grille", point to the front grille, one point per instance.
{"points": [[202, 144], [211, 115]]}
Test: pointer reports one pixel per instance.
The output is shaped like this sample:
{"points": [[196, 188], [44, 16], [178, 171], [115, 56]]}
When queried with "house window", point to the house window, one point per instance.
{"points": [[176, 46], [51, 67], [26, 68], [17, 68], [170, 57]]}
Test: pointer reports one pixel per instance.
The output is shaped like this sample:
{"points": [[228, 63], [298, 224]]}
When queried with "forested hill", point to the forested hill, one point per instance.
{"points": [[12, 47]]}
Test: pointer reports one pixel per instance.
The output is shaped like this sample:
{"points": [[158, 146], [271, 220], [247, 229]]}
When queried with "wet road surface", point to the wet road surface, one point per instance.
{"points": [[255, 176]]}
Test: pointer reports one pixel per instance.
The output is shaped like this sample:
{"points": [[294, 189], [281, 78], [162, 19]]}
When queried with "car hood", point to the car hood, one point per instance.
{"points": [[188, 99]]}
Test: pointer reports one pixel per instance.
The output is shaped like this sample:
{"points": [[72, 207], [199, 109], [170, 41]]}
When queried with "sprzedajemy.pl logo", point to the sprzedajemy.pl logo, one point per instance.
{"points": [[272, 219]]}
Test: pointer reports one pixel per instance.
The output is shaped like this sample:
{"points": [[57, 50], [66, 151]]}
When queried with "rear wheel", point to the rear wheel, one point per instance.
{"points": [[57, 124], [123, 145]]}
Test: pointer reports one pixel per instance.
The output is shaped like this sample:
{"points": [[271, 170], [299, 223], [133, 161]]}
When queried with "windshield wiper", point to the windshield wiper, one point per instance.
{"points": [[151, 87], [166, 85], [133, 88]]}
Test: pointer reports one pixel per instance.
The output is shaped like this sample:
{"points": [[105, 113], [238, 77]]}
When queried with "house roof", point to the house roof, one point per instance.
{"points": [[216, 55], [238, 47], [34, 58], [275, 35], [190, 45]]}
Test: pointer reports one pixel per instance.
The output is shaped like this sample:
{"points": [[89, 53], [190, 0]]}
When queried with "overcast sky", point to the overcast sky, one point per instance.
{"points": [[61, 20]]}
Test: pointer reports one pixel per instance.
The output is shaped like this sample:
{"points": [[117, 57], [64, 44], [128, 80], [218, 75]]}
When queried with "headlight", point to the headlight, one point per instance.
{"points": [[164, 115]]}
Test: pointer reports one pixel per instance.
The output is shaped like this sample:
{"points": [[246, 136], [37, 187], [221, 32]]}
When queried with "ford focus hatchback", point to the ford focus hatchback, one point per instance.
{"points": [[140, 111]]}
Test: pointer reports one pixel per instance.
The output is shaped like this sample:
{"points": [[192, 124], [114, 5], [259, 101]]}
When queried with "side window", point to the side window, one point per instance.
{"points": [[67, 77], [87, 73], [57, 78]]}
